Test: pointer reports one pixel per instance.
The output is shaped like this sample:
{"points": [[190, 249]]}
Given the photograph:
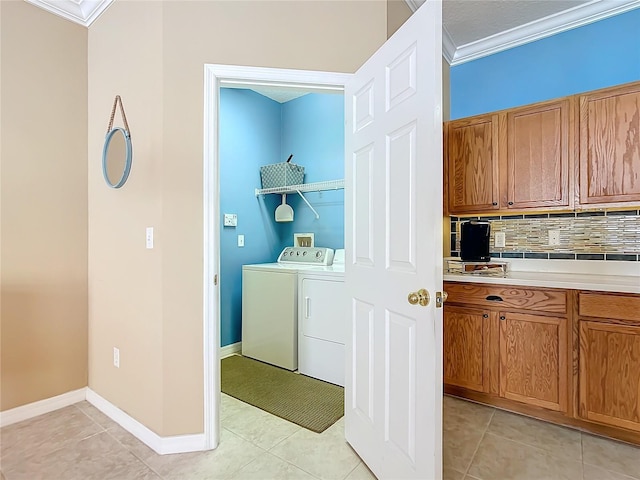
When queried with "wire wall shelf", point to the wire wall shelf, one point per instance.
{"points": [[304, 187]]}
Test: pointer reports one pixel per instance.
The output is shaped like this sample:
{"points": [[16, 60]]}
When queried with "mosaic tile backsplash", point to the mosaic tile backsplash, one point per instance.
{"points": [[613, 235]]}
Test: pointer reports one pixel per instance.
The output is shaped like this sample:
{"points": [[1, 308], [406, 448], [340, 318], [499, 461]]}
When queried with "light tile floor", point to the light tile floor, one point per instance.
{"points": [[480, 443]]}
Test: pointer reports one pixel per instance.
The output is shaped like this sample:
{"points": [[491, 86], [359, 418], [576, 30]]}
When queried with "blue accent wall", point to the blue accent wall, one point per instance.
{"points": [[250, 136], [256, 131], [313, 130], [598, 55]]}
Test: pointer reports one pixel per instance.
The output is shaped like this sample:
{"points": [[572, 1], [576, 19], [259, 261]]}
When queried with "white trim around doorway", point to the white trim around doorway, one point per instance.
{"points": [[214, 77]]}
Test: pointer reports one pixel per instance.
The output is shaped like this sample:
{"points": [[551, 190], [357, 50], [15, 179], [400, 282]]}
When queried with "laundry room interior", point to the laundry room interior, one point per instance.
{"points": [[264, 125]]}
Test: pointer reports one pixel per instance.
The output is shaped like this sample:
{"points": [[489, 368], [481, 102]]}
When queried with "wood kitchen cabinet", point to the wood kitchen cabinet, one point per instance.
{"points": [[565, 356], [536, 170], [609, 378], [516, 338], [466, 347], [515, 159], [533, 359], [471, 150], [610, 146]]}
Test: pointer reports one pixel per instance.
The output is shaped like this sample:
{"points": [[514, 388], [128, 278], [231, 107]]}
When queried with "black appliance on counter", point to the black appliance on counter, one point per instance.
{"points": [[474, 241]]}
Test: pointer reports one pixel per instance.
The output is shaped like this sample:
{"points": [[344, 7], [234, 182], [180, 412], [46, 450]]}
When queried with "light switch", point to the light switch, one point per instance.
{"points": [[241, 240], [149, 237], [230, 220]]}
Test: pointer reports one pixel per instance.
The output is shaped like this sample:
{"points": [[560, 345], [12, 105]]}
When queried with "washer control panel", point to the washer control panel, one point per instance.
{"points": [[307, 255]]}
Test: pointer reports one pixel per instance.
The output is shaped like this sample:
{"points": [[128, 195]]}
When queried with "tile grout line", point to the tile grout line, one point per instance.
{"points": [[475, 452], [582, 453]]}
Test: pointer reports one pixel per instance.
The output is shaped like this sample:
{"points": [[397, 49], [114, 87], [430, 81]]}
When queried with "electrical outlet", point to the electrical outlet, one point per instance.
{"points": [[116, 357], [230, 220], [500, 239], [554, 237]]}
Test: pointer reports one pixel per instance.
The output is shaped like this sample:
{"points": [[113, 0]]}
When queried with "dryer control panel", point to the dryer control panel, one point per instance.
{"points": [[321, 256]]}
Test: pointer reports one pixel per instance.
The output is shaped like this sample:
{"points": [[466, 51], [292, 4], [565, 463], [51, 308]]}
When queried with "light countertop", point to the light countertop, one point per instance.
{"points": [[574, 275]]}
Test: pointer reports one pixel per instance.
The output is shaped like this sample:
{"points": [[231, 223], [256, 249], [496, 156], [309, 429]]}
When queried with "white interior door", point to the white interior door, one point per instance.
{"points": [[393, 205]]}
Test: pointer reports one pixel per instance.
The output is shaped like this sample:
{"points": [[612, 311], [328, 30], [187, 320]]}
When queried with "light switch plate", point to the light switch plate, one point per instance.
{"points": [[500, 239], [149, 237], [241, 240], [230, 220]]}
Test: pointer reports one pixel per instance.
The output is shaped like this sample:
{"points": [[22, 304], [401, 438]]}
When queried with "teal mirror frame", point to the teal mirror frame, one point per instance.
{"points": [[128, 152]]}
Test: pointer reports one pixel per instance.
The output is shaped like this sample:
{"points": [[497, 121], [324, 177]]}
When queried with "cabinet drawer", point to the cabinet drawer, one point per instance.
{"points": [[609, 306], [499, 296]]}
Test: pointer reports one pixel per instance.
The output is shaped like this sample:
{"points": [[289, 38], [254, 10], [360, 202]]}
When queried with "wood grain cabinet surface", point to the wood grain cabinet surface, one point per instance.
{"points": [[610, 359], [471, 149], [516, 159], [517, 337], [466, 347], [577, 152], [537, 163], [610, 146], [533, 360]]}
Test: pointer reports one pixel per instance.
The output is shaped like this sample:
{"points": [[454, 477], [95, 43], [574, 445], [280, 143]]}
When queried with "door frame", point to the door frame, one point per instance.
{"points": [[215, 76]]}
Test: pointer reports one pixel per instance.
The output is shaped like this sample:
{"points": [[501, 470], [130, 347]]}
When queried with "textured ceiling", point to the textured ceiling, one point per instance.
{"points": [[468, 21]]}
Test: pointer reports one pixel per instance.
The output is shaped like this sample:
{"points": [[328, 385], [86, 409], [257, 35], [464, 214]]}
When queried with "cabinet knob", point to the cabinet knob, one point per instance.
{"points": [[485, 315], [502, 317], [509, 203], [494, 204]]}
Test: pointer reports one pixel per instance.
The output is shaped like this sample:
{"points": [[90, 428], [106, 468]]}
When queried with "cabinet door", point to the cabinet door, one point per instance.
{"points": [[537, 163], [533, 360], [466, 347], [610, 374], [610, 146], [472, 164]]}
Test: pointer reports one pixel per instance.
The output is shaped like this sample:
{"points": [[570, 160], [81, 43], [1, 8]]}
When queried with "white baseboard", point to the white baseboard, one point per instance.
{"points": [[230, 349], [162, 445], [25, 412]]}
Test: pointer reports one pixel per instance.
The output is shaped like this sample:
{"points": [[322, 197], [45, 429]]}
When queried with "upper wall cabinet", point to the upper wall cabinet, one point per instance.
{"points": [[471, 165], [516, 159], [537, 162], [610, 146]]}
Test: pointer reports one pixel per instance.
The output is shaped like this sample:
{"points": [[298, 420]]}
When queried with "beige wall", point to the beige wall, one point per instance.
{"points": [[397, 13], [43, 191], [149, 302]]}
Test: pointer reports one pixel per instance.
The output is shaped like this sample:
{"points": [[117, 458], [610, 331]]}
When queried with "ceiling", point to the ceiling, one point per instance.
{"points": [[470, 28]]}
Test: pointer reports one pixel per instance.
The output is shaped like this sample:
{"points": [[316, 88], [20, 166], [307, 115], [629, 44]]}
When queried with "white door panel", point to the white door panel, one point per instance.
{"points": [[394, 246]]}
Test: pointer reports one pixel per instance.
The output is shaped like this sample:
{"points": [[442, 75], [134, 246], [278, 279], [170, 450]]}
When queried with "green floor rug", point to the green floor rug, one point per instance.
{"points": [[305, 401]]}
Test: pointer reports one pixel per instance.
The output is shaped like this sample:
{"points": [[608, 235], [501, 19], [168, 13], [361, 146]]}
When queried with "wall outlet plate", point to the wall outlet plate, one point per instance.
{"points": [[500, 239], [230, 220], [554, 237]]}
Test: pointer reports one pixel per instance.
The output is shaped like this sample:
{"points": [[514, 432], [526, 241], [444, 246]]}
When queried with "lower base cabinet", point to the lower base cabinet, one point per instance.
{"points": [[610, 374], [566, 356], [533, 360], [466, 348]]}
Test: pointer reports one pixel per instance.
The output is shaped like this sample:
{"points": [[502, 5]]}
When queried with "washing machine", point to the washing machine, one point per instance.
{"points": [[270, 304]]}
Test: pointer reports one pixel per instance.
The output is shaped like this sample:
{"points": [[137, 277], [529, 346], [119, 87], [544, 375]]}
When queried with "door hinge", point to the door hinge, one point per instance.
{"points": [[215, 279]]}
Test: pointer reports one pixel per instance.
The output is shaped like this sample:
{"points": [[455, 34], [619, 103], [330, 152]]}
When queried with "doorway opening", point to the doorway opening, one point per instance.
{"points": [[244, 83]]}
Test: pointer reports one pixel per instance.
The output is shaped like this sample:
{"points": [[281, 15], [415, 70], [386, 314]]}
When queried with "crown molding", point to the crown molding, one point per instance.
{"points": [[448, 47], [83, 12], [414, 4], [560, 22]]}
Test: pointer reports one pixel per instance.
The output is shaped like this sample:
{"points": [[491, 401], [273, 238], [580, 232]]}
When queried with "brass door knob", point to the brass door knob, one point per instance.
{"points": [[420, 297]]}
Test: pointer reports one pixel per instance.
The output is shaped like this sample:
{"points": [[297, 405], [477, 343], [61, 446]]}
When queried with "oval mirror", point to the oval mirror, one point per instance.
{"points": [[116, 157]]}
